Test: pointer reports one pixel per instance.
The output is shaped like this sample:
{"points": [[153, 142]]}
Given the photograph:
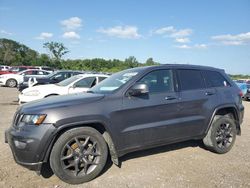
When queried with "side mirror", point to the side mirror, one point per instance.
{"points": [[138, 89], [72, 86]]}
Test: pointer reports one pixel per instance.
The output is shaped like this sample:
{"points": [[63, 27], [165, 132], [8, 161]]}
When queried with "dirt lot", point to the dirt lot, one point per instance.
{"points": [[179, 165]]}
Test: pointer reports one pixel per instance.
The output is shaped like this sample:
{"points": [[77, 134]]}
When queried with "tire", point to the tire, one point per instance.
{"points": [[221, 134], [76, 162], [11, 83]]}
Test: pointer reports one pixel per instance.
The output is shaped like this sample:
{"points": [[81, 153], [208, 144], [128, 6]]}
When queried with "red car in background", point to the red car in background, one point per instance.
{"points": [[16, 69]]}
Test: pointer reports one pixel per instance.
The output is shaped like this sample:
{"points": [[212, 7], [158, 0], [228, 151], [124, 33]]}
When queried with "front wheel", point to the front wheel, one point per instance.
{"points": [[11, 83], [221, 135], [79, 155]]}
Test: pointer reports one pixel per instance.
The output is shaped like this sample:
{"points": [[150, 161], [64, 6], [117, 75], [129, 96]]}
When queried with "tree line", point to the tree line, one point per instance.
{"points": [[13, 53]]}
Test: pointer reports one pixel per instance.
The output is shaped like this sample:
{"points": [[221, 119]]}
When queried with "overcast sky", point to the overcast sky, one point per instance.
{"points": [[214, 33]]}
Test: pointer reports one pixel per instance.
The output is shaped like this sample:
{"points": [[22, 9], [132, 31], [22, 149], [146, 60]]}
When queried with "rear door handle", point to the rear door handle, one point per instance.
{"points": [[208, 93], [170, 98]]}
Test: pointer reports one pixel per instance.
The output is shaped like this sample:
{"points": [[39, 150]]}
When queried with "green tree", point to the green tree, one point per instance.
{"points": [[14, 53], [131, 62], [56, 49], [150, 62]]}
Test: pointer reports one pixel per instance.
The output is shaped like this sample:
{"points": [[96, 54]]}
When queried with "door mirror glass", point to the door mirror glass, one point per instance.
{"points": [[138, 89]]}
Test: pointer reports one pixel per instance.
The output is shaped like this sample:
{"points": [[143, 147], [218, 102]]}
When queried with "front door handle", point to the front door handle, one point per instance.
{"points": [[208, 93], [170, 98]]}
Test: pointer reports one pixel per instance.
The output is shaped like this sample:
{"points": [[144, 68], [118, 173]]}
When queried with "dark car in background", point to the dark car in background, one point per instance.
{"points": [[132, 110], [247, 95], [52, 78]]}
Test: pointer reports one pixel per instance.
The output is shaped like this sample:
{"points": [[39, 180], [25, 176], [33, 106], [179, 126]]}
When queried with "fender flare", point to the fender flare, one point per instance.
{"points": [[106, 135], [219, 108]]}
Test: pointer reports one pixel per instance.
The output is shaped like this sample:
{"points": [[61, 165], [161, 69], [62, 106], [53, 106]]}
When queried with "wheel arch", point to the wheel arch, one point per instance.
{"points": [[99, 126], [230, 110], [53, 94]]}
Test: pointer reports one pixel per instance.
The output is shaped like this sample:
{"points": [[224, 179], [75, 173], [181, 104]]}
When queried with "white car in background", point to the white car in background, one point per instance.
{"points": [[12, 80], [4, 67], [74, 84]]}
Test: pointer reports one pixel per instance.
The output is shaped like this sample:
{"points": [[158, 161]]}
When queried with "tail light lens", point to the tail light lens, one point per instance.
{"points": [[241, 93]]}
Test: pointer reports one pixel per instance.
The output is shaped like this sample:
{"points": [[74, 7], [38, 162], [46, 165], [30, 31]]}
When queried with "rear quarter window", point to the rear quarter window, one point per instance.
{"points": [[215, 79]]}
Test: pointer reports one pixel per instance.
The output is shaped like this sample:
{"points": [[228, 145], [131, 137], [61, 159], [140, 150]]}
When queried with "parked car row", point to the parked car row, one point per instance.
{"points": [[244, 87], [52, 78], [15, 69], [36, 83], [12, 80], [75, 84]]}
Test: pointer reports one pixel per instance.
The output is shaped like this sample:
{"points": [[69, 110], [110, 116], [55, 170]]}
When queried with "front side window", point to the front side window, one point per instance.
{"points": [[68, 81], [86, 82], [190, 79], [215, 79], [159, 81]]}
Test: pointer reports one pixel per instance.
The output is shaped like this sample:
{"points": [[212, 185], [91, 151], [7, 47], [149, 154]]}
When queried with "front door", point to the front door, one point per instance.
{"points": [[151, 118]]}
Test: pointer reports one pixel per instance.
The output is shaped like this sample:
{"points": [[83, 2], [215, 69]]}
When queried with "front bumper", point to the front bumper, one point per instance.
{"points": [[2, 81], [29, 144], [22, 86]]}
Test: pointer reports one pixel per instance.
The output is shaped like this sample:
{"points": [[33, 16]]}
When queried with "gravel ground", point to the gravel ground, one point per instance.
{"points": [[185, 164]]}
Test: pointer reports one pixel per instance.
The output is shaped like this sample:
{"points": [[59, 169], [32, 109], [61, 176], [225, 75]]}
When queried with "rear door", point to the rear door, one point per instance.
{"points": [[196, 102]]}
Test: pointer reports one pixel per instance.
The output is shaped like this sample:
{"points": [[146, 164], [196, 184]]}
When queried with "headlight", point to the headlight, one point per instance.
{"points": [[32, 93], [33, 119], [2, 76]]}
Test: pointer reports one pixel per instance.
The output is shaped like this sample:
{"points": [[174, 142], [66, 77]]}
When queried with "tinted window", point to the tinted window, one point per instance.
{"points": [[101, 78], [190, 79], [28, 73], [48, 69], [215, 79], [61, 76], [159, 81], [86, 82]]}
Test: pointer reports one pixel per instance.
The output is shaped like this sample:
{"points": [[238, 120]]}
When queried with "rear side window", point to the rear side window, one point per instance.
{"points": [[190, 79], [215, 79]]}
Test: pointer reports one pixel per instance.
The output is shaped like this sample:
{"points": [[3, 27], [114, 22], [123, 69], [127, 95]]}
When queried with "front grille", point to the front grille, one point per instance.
{"points": [[17, 119]]}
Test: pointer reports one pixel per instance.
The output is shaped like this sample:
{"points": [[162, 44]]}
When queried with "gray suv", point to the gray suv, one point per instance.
{"points": [[132, 110]]}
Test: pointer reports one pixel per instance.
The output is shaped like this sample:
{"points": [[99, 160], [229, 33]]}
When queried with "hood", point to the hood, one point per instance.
{"points": [[11, 75], [39, 87], [40, 106]]}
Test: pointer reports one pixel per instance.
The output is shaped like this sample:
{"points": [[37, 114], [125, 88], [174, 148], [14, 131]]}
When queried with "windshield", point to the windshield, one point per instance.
{"points": [[68, 81], [114, 82], [52, 74], [21, 72]]}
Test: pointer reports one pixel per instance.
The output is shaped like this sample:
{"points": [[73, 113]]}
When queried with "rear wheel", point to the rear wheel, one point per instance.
{"points": [[79, 155], [11, 83], [221, 135]]}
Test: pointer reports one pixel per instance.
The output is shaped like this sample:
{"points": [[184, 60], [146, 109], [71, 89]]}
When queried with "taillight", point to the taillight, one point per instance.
{"points": [[241, 93]]}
